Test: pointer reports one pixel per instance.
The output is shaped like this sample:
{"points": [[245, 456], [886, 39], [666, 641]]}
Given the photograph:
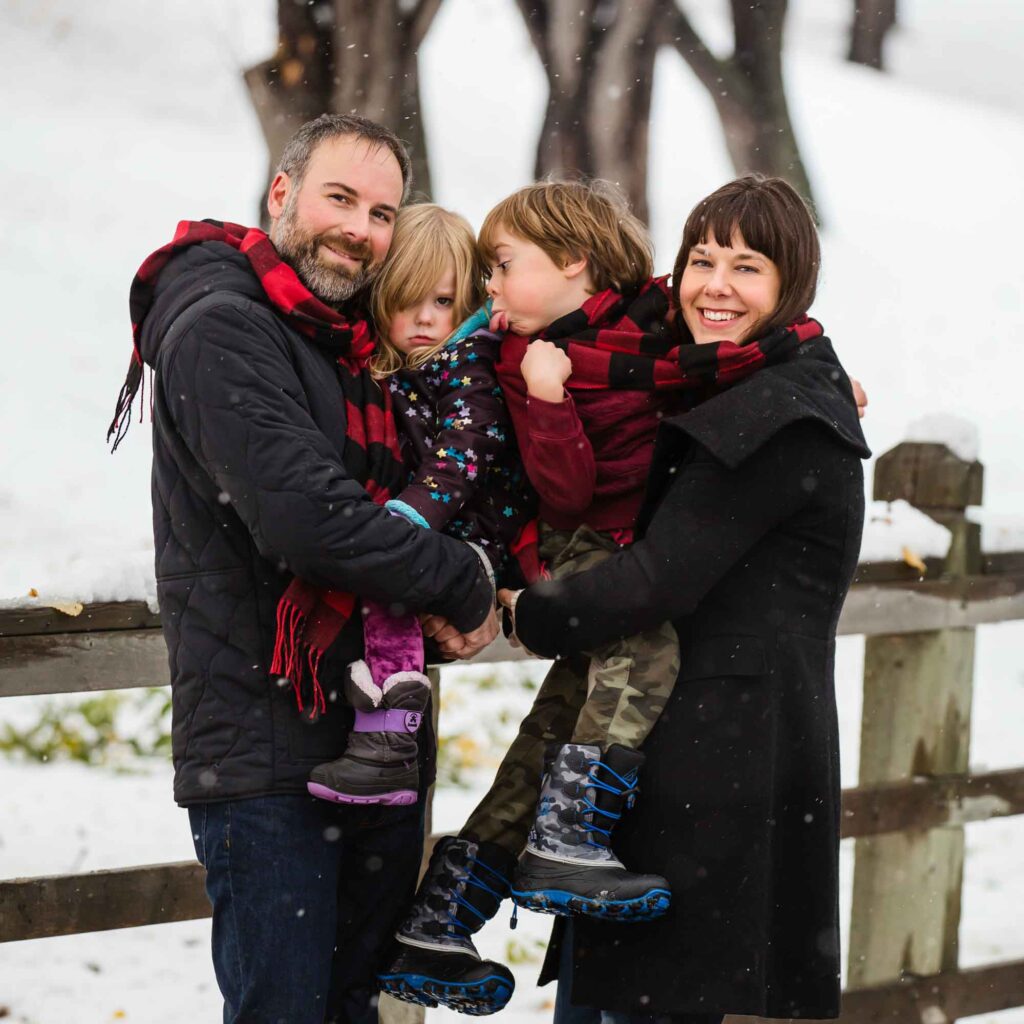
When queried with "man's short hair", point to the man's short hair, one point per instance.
{"points": [[299, 148], [573, 219]]}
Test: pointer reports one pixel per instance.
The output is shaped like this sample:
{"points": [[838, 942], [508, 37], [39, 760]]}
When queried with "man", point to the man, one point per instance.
{"points": [[269, 440]]}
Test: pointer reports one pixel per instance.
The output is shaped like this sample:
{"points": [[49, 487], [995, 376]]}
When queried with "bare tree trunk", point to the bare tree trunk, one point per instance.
{"points": [[561, 34], [619, 107], [346, 56], [747, 88], [872, 20], [292, 86], [598, 56]]}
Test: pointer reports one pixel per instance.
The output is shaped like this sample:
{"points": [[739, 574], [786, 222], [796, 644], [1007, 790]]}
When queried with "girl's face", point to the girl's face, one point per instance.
{"points": [[725, 291], [429, 321]]}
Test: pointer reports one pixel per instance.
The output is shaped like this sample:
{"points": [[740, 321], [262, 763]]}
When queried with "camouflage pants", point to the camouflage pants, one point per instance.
{"points": [[612, 695]]}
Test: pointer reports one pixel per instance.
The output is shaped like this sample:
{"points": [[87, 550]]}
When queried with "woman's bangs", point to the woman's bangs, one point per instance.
{"points": [[739, 213]]}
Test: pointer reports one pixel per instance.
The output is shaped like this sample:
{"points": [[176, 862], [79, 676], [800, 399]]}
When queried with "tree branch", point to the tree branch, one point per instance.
{"points": [[536, 16], [675, 30], [420, 21]]}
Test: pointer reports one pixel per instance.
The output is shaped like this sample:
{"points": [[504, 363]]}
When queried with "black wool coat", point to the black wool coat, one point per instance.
{"points": [[250, 488], [749, 540]]}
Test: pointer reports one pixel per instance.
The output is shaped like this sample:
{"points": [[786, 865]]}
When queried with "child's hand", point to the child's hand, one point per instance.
{"points": [[545, 369]]}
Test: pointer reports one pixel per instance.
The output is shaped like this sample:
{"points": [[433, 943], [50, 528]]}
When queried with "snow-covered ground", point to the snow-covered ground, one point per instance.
{"points": [[122, 117]]}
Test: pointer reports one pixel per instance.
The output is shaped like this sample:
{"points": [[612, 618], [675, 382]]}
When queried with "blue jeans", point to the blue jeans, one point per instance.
{"points": [[306, 896], [567, 1013]]}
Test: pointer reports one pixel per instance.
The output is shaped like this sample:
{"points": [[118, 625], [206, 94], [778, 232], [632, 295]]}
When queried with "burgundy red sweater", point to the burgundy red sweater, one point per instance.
{"points": [[589, 455]]}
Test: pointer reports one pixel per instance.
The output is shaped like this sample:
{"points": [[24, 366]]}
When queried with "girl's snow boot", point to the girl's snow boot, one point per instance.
{"points": [[568, 867], [380, 764]]}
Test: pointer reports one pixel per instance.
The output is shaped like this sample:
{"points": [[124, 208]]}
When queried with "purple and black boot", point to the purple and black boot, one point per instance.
{"points": [[389, 693]]}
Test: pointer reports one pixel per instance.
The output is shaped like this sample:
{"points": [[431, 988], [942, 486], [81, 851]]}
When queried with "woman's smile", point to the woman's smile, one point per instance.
{"points": [[726, 290]]}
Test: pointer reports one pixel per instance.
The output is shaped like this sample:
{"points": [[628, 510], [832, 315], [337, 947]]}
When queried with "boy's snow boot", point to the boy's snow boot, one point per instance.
{"points": [[568, 867], [381, 763], [435, 960]]}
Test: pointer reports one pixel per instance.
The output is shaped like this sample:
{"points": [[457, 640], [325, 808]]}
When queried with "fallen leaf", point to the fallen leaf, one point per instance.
{"points": [[913, 559], [72, 608]]}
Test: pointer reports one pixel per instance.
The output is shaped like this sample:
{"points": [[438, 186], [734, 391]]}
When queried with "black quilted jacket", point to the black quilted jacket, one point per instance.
{"points": [[248, 488]]}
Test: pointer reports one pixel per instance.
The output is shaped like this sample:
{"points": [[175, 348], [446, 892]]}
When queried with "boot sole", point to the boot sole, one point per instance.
{"points": [[652, 904], [477, 998], [394, 798]]}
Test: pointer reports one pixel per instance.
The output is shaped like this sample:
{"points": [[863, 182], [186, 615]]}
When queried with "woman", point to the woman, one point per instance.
{"points": [[749, 540]]}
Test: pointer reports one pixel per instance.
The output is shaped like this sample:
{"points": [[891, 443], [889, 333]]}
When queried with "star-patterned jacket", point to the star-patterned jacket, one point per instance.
{"points": [[466, 477]]}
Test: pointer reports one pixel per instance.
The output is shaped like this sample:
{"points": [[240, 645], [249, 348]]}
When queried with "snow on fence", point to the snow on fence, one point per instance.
{"points": [[907, 814]]}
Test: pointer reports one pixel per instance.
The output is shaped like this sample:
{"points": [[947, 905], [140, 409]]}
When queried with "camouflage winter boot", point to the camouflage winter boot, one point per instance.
{"points": [[381, 763], [568, 867], [436, 962]]}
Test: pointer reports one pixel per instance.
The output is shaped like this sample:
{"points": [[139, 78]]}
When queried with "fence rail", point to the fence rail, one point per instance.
{"points": [[120, 646], [907, 815], [36, 908]]}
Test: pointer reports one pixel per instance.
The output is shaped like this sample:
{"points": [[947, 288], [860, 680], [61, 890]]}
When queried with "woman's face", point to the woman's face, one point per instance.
{"points": [[725, 291], [429, 321]]}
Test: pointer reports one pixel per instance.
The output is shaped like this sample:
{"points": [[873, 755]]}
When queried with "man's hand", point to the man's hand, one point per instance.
{"points": [[460, 645], [860, 396], [545, 369]]}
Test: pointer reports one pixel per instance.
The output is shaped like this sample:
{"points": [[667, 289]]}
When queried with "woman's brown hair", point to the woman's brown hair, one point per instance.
{"points": [[773, 220]]}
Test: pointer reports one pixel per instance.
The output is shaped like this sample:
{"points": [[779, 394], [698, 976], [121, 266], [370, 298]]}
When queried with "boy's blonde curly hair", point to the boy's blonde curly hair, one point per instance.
{"points": [[570, 220]]}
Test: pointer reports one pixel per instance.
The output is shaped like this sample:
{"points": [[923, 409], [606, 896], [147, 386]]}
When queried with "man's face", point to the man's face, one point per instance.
{"points": [[334, 226]]}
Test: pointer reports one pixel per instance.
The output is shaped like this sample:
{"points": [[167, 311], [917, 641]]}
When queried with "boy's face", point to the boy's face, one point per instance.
{"points": [[529, 290]]}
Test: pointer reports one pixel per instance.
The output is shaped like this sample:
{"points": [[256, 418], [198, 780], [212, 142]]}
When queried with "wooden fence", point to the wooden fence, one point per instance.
{"points": [[907, 815]]}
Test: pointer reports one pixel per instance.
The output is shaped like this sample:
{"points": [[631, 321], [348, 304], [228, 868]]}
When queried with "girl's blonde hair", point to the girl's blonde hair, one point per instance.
{"points": [[428, 241]]}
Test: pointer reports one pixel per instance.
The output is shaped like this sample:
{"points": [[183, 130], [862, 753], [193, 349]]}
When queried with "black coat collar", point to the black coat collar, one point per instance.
{"points": [[812, 385]]}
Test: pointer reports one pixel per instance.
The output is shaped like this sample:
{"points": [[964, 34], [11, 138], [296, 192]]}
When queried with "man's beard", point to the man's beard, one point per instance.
{"points": [[331, 283]]}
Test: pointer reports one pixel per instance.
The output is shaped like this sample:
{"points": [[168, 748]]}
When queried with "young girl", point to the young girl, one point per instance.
{"points": [[465, 478]]}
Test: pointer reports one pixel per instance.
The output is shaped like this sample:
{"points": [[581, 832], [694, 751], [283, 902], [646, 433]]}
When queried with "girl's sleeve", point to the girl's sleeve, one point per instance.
{"points": [[474, 428]]}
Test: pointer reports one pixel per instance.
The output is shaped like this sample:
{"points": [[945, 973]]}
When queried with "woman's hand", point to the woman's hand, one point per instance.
{"points": [[860, 396], [545, 369], [507, 599]]}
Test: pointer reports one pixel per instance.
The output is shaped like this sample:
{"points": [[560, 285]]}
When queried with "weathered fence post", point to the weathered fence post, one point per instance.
{"points": [[916, 722], [389, 1009]]}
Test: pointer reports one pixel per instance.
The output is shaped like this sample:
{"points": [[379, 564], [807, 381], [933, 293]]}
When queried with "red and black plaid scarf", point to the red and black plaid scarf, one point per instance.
{"points": [[308, 619], [624, 341]]}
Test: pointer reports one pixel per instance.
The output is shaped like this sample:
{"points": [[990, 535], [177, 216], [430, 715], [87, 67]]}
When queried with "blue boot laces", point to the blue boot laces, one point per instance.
{"points": [[628, 790], [473, 879]]}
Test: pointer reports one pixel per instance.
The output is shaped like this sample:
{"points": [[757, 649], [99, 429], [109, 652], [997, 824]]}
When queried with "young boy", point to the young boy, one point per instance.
{"points": [[571, 285]]}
